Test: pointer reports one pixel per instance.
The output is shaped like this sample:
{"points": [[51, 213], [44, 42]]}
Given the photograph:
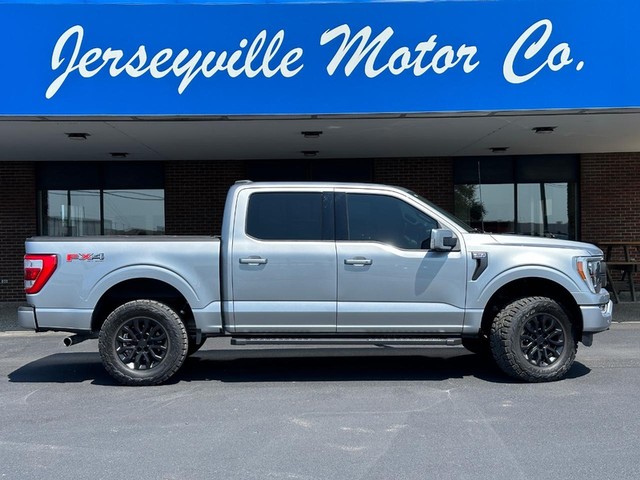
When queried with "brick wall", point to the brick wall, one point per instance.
{"points": [[195, 192], [17, 222], [430, 177], [610, 197]]}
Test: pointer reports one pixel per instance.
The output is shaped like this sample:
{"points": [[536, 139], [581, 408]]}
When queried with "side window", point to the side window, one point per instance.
{"points": [[387, 219], [285, 216]]}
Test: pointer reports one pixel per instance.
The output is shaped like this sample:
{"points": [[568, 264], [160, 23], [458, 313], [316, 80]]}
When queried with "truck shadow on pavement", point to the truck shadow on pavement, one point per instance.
{"points": [[284, 365]]}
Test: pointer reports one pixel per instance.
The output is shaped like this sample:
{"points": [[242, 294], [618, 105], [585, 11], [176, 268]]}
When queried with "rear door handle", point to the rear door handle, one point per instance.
{"points": [[359, 261], [253, 261]]}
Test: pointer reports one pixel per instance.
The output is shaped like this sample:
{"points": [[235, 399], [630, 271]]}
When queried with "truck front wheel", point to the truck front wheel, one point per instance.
{"points": [[532, 339], [143, 342]]}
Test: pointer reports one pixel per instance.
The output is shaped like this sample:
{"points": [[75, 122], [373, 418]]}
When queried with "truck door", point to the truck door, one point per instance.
{"points": [[284, 274], [388, 280]]}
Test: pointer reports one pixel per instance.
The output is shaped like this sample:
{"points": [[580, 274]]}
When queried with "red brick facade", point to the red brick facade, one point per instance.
{"points": [[17, 222], [610, 197], [430, 177], [195, 192]]}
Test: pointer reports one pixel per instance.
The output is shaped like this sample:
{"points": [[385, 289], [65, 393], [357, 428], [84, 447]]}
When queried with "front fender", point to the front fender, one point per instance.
{"points": [[479, 297]]}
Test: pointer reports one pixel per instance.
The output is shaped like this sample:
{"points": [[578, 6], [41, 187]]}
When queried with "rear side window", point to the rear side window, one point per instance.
{"points": [[285, 216]]}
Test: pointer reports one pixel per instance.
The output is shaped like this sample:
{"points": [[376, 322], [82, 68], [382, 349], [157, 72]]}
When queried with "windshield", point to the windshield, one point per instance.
{"points": [[459, 223]]}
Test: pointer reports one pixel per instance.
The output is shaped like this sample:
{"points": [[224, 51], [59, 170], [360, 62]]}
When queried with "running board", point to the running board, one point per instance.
{"points": [[445, 341]]}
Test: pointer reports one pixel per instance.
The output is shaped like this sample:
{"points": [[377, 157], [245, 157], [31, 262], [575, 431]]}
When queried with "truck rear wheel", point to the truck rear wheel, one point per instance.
{"points": [[532, 339], [143, 342]]}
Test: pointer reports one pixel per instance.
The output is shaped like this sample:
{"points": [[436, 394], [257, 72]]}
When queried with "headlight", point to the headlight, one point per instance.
{"points": [[592, 271]]}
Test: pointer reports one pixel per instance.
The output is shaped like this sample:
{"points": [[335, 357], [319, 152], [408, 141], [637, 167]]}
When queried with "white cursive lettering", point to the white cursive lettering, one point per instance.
{"points": [[260, 58], [359, 47], [558, 58]]}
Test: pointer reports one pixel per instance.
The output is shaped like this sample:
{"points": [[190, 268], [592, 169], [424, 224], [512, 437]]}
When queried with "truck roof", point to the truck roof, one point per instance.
{"points": [[294, 184]]}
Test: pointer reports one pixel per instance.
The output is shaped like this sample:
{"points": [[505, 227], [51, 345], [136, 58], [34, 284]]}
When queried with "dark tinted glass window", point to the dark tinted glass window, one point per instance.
{"points": [[99, 198], [79, 213], [285, 216], [516, 169], [389, 220], [547, 169], [527, 195], [99, 175]]}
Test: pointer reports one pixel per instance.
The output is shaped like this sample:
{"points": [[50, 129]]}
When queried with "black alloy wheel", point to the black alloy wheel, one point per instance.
{"points": [[533, 339], [143, 342], [542, 340]]}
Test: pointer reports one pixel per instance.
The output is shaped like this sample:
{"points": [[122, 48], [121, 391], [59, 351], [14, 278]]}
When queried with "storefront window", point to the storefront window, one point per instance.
{"points": [[108, 199], [77, 213], [521, 195], [133, 212], [484, 207], [543, 210], [71, 213]]}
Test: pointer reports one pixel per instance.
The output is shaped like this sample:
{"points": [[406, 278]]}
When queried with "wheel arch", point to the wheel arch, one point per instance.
{"points": [[142, 289], [532, 287]]}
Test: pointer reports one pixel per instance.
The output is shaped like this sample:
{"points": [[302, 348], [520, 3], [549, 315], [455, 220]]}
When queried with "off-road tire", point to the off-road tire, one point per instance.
{"points": [[143, 342], [532, 339]]}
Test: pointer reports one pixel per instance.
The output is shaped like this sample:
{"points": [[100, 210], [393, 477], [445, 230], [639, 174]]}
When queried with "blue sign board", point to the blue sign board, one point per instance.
{"points": [[289, 58]]}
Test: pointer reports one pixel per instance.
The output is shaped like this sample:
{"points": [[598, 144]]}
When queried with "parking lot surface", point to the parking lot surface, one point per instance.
{"points": [[321, 413]]}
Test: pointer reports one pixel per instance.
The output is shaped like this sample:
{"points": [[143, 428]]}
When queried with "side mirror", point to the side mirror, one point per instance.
{"points": [[442, 240]]}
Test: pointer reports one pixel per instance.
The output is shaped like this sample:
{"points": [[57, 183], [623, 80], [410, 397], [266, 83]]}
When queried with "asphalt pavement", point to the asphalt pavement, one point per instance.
{"points": [[9, 316], [318, 413]]}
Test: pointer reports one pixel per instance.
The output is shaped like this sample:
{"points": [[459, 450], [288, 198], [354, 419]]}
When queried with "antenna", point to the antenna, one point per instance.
{"points": [[480, 195]]}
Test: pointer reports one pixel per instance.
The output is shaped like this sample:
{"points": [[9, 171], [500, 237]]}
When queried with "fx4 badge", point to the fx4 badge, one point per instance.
{"points": [[85, 257]]}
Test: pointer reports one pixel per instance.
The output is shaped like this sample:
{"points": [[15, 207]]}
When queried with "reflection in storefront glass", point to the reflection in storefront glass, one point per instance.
{"points": [[133, 212], [74, 213], [543, 210], [489, 208], [538, 209]]}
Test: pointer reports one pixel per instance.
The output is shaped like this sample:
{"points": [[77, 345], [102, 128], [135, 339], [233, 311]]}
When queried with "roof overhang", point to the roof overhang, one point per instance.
{"points": [[175, 79]]}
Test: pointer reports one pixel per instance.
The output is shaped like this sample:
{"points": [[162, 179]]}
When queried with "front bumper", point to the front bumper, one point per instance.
{"points": [[596, 318], [27, 318]]}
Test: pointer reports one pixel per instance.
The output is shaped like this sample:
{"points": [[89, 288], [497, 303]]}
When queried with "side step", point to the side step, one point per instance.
{"points": [[444, 341]]}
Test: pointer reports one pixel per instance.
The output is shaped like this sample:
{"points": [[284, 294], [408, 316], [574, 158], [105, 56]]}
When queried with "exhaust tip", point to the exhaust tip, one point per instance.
{"points": [[79, 337]]}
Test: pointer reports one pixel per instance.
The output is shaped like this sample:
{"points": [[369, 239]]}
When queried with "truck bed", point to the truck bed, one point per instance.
{"points": [[88, 267]]}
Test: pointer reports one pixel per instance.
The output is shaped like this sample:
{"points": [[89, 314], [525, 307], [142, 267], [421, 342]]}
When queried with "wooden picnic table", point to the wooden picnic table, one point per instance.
{"points": [[625, 264]]}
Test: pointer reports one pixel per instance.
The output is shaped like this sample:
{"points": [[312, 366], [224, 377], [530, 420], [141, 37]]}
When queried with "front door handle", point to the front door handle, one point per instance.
{"points": [[253, 261], [359, 261]]}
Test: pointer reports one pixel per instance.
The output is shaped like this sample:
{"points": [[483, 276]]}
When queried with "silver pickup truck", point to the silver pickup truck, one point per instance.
{"points": [[320, 263]]}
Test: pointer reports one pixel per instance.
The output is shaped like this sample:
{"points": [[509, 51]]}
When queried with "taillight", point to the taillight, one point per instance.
{"points": [[37, 271]]}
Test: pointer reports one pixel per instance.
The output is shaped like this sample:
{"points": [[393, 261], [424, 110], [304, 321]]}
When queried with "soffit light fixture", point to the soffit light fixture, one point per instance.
{"points": [[119, 154], [544, 130], [309, 153], [498, 149], [311, 133], [80, 136]]}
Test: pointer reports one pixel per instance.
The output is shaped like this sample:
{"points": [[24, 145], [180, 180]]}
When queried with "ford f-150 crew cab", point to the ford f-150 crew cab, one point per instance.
{"points": [[326, 263]]}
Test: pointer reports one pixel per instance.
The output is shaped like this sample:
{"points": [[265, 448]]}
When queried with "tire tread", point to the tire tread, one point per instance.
{"points": [[504, 349], [111, 323]]}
